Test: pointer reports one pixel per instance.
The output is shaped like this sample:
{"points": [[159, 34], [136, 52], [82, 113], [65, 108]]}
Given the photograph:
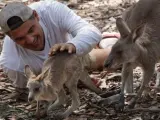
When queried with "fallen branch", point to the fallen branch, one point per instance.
{"points": [[110, 93], [143, 110]]}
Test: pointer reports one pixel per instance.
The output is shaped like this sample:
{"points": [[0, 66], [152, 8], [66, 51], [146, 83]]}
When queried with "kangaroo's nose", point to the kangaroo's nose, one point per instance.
{"points": [[30, 99], [107, 63]]}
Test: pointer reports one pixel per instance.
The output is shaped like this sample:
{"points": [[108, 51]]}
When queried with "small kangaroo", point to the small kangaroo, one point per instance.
{"points": [[62, 68], [139, 45]]}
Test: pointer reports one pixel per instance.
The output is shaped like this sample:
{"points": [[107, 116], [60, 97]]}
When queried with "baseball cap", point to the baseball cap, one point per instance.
{"points": [[17, 10]]}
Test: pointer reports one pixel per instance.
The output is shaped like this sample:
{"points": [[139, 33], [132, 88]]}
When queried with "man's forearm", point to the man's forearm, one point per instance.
{"points": [[86, 39]]}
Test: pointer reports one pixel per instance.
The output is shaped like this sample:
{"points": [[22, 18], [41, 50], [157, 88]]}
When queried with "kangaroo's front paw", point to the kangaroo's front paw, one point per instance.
{"points": [[120, 106], [37, 114], [59, 116], [49, 108], [54, 107], [49, 111], [41, 114], [132, 103]]}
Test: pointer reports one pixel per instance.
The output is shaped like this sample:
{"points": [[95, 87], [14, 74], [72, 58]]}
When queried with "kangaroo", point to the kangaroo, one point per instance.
{"points": [[62, 68], [139, 45]]}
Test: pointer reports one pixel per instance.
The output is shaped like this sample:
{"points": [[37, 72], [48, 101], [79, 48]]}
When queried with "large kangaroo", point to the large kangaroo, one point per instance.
{"points": [[139, 45]]}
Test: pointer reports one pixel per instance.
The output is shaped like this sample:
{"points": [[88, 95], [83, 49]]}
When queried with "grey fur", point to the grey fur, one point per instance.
{"points": [[60, 69], [139, 45]]}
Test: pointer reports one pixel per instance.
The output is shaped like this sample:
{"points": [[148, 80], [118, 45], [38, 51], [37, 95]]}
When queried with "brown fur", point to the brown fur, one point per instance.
{"points": [[60, 69], [139, 44]]}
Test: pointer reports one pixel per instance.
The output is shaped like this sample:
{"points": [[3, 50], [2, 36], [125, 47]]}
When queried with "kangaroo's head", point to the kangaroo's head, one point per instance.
{"points": [[125, 49], [35, 84]]}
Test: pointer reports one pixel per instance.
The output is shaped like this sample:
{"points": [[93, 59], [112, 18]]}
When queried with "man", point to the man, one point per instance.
{"points": [[34, 31]]}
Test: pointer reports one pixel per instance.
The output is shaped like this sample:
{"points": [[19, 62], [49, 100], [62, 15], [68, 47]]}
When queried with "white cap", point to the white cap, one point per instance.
{"points": [[19, 10]]}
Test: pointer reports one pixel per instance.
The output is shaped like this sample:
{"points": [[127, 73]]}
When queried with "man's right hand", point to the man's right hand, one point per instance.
{"points": [[62, 47]]}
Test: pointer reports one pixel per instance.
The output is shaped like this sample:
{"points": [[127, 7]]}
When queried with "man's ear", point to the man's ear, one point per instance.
{"points": [[28, 72]]}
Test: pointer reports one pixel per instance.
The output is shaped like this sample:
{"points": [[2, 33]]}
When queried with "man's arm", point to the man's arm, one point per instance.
{"points": [[85, 35], [11, 64]]}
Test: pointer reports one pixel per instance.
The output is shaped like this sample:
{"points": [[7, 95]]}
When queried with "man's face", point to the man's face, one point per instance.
{"points": [[29, 35]]}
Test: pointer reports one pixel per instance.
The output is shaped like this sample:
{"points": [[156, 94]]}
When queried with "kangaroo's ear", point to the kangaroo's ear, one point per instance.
{"points": [[43, 75], [137, 32], [122, 27], [28, 72]]}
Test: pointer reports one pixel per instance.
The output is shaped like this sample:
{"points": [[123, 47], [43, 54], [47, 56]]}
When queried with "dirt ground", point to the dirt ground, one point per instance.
{"points": [[101, 13]]}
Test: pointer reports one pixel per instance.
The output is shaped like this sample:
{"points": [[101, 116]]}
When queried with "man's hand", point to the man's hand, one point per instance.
{"points": [[62, 47]]}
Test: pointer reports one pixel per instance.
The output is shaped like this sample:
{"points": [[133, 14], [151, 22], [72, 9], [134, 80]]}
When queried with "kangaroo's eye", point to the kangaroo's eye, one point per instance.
{"points": [[36, 89], [119, 52]]}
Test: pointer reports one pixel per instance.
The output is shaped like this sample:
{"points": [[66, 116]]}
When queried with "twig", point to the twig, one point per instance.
{"points": [[98, 107]]}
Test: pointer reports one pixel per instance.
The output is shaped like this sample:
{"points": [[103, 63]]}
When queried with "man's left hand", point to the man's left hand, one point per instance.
{"points": [[62, 47]]}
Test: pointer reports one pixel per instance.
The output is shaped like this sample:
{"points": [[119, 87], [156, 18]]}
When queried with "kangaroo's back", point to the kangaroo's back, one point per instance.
{"points": [[145, 15], [60, 65], [60, 60], [142, 12]]}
